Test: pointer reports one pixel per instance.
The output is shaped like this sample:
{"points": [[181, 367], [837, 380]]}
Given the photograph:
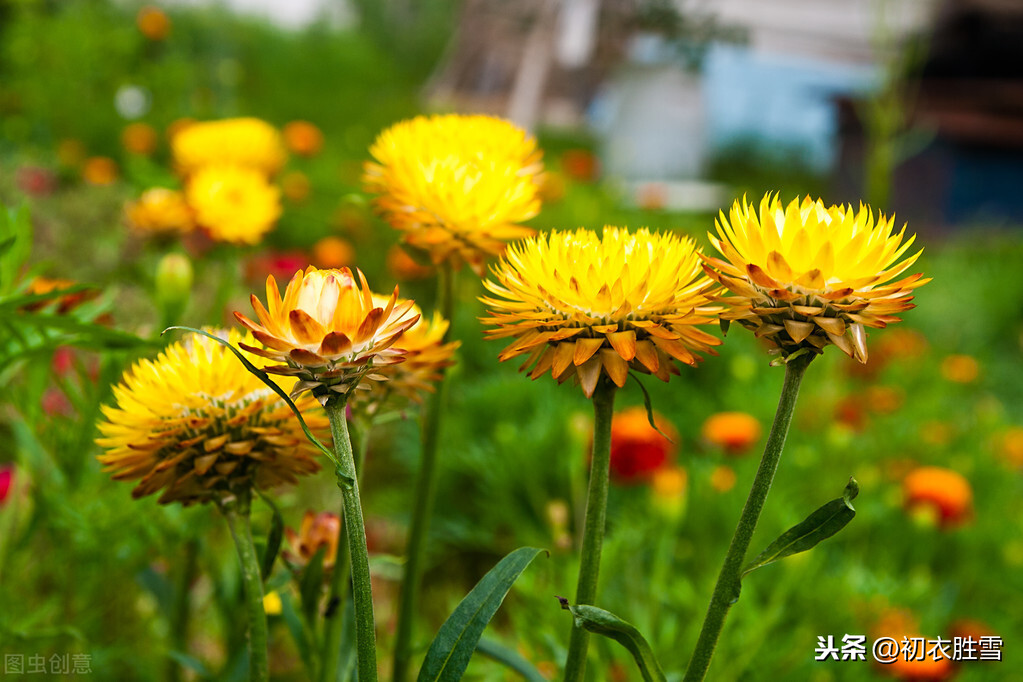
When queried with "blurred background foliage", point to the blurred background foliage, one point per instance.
{"points": [[83, 568]]}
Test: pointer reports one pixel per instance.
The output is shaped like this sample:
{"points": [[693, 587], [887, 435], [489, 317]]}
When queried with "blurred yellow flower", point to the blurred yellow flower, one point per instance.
{"points": [[734, 432], [962, 369], [669, 485], [328, 331], [139, 138], [945, 492], [456, 185], [272, 605], [234, 204], [584, 305], [805, 276], [247, 142], [196, 424], [303, 138], [160, 211], [723, 478], [426, 355], [99, 170], [153, 23]]}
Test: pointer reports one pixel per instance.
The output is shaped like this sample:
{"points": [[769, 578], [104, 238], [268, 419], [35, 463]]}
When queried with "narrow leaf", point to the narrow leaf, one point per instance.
{"points": [[273, 538], [649, 407], [451, 649], [818, 526], [262, 376], [299, 633], [605, 623], [509, 658], [311, 586]]}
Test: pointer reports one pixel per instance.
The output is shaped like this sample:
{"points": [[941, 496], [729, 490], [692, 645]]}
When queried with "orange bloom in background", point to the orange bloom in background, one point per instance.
{"points": [[328, 331], [153, 22], [99, 170], [735, 432], [303, 138], [899, 624], [723, 478], [944, 492], [580, 164], [160, 211], [898, 344], [961, 369], [1011, 446], [66, 303], [139, 138], [296, 186], [652, 196], [669, 485], [884, 399], [404, 267], [637, 450], [316, 531], [333, 252]]}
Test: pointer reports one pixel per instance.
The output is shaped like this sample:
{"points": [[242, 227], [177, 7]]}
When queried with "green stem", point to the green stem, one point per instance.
{"points": [[726, 591], [330, 654], [593, 527], [236, 512], [422, 505], [362, 588]]}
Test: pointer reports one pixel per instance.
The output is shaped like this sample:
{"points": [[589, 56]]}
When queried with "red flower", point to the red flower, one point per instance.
{"points": [[637, 450]]}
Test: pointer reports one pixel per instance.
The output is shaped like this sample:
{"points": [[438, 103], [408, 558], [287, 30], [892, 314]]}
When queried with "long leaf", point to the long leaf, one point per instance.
{"points": [[609, 625], [818, 526], [299, 633], [449, 654], [262, 376], [273, 538], [509, 658]]}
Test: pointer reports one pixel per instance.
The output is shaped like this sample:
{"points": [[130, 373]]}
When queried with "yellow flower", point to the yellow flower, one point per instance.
{"points": [[160, 211], [247, 142], [196, 424], [272, 604], [456, 185], [805, 276], [426, 355], [234, 203], [328, 331], [582, 305]]}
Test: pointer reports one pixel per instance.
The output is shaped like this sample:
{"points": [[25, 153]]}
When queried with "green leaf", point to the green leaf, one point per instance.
{"points": [[509, 658], [262, 376], [311, 586], [273, 538], [451, 649], [649, 407], [609, 625], [818, 526], [299, 632], [192, 663]]}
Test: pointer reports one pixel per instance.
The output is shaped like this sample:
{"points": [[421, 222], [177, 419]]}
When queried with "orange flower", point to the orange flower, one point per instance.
{"points": [[153, 23], [67, 302], [899, 625], [316, 531], [669, 485], [637, 450], [580, 164], [403, 266], [333, 252], [139, 138], [962, 369], [735, 432], [944, 492], [723, 478], [303, 138], [99, 170], [1011, 446], [328, 331]]}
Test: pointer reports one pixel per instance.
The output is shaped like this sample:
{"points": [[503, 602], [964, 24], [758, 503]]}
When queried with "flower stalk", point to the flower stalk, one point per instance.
{"points": [[726, 590], [236, 513], [422, 506], [355, 529], [593, 527]]}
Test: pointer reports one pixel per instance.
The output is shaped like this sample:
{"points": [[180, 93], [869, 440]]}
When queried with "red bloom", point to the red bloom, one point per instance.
{"points": [[637, 450]]}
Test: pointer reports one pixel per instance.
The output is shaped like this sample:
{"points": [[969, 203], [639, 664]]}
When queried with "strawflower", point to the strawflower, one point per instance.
{"points": [[805, 276], [160, 211], [233, 203], [248, 142], [316, 531], [638, 451], [734, 432], [943, 492], [583, 305], [456, 186], [328, 331], [196, 425]]}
